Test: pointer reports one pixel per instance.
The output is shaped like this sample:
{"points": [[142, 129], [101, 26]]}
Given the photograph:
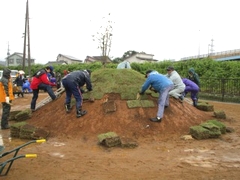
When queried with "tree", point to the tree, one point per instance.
{"points": [[125, 55], [117, 60], [128, 53], [104, 38]]}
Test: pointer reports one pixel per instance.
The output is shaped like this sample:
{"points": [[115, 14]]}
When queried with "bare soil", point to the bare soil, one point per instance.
{"points": [[72, 150]]}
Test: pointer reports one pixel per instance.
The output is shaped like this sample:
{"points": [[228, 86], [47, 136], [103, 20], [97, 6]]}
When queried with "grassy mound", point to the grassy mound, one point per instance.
{"points": [[126, 82]]}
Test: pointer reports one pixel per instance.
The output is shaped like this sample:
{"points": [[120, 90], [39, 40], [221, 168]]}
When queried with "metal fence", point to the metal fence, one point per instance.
{"points": [[223, 89]]}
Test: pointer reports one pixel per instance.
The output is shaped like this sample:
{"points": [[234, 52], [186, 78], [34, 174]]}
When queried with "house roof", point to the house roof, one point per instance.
{"points": [[56, 62], [130, 55], [97, 58], [18, 54], [138, 56], [70, 57]]}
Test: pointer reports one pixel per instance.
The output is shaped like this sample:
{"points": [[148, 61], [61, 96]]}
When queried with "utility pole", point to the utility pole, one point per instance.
{"points": [[199, 45], [26, 35], [8, 54], [211, 49], [24, 44], [29, 54]]}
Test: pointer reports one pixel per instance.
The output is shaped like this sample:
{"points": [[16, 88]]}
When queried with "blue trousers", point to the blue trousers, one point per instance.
{"points": [[72, 88], [163, 100], [44, 87]]}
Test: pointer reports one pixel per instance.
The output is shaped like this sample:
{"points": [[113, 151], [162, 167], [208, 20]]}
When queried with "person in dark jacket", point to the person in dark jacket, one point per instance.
{"points": [[161, 84], [6, 97], [19, 81], [73, 82], [193, 88], [193, 76], [40, 81]]}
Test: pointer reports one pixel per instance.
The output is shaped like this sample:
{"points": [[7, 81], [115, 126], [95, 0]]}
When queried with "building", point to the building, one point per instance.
{"points": [[16, 59], [102, 59], [52, 63], [68, 59], [141, 57]]}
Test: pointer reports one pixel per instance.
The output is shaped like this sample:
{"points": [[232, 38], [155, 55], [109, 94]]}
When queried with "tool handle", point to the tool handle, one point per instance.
{"points": [[41, 140], [30, 155]]}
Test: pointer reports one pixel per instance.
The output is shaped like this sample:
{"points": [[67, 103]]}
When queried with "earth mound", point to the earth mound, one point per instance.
{"points": [[131, 123], [112, 88]]}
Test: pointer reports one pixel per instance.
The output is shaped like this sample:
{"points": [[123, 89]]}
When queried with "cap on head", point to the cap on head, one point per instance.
{"points": [[191, 70], [51, 68], [170, 68], [147, 72]]}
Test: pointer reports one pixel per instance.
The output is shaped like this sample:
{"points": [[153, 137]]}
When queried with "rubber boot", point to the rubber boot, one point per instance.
{"points": [[195, 103], [68, 108], [81, 112]]}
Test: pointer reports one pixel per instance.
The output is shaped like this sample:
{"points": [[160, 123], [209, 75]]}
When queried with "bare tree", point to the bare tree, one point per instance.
{"points": [[104, 38]]}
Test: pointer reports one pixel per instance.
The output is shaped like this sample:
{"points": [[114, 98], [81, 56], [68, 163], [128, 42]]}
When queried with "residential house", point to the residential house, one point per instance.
{"points": [[141, 57], [16, 59], [102, 59], [68, 59], [51, 63]]}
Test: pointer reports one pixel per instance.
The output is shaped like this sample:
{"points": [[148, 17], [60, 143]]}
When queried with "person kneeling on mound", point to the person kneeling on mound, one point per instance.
{"points": [[161, 84]]}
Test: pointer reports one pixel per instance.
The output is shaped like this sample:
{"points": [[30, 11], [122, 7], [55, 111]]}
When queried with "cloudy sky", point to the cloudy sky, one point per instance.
{"points": [[168, 29]]}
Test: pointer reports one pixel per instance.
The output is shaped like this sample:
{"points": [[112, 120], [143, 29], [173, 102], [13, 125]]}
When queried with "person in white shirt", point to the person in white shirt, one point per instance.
{"points": [[179, 86]]}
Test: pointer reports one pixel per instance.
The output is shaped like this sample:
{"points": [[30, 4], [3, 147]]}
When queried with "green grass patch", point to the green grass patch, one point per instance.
{"points": [[126, 82]]}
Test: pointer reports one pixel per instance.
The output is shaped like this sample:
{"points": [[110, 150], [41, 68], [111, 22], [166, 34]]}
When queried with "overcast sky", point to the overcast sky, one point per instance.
{"points": [[168, 29]]}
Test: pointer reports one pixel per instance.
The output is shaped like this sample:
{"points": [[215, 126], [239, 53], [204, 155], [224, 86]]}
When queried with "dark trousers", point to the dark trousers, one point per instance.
{"points": [[5, 114], [72, 89], [44, 87]]}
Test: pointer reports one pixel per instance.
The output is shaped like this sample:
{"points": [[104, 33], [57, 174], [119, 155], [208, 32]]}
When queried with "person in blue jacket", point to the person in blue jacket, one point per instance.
{"points": [[73, 82], [26, 86], [193, 88], [161, 84]]}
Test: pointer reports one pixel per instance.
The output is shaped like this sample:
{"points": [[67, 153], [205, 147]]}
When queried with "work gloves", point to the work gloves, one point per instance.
{"points": [[7, 100], [84, 91]]}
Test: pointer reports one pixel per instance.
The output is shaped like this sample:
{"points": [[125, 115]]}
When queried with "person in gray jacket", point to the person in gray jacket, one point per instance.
{"points": [[73, 83], [179, 86]]}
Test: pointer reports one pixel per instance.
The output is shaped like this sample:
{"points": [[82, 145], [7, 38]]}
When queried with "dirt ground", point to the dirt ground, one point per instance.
{"points": [[72, 150]]}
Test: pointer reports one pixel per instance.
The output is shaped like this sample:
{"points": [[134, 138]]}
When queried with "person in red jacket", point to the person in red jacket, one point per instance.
{"points": [[40, 81]]}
